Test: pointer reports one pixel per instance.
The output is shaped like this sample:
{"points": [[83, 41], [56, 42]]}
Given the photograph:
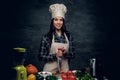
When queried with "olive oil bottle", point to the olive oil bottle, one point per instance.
{"points": [[20, 70]]}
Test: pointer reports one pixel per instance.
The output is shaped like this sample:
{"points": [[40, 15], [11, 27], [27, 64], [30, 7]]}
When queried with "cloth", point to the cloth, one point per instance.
{"points": [[44, 55], [58, 10], [53, 66], [60, 39]]}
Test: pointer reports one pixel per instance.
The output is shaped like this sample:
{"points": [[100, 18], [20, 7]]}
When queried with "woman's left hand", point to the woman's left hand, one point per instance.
{"points": [[62, 49]]}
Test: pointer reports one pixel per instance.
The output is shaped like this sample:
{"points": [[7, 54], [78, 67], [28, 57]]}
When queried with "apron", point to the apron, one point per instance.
{"points": [[53, 66]]}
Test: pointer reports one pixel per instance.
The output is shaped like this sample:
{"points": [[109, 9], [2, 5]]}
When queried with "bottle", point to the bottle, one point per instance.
{"points": [[20, 70], [93, 66]]}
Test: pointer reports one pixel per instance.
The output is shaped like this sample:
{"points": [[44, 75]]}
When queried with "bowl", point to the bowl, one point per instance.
{"points": [[44, 74]]}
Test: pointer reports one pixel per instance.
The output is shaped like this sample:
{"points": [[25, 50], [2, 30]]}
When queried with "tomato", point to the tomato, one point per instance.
{"points": [[64, 77], [72, 77], [31, 69], [45, 72], [69, 72]]}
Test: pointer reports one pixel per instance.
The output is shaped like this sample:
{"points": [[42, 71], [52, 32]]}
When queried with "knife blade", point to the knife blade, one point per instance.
{"points": [[59, 64]]}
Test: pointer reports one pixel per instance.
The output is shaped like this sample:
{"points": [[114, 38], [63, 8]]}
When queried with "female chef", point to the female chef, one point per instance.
{"points": [[56, 47]]}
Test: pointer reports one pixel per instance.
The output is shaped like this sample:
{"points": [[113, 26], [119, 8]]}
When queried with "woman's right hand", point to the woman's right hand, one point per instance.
{"points": [[59, 53]]}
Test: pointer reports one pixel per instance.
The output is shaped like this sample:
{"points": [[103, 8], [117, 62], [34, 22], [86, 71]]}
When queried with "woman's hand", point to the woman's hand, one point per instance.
{"points": [[59, 53], [62, 49]]}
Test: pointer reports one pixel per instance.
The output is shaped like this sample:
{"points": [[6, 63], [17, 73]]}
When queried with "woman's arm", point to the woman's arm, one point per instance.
{"points": [[45, 49]]}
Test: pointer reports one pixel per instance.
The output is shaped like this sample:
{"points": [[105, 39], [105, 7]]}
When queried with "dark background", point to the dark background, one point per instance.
{"points": [[91, 23]]}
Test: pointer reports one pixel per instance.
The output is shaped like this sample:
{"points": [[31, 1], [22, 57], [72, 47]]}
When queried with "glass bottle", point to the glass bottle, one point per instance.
{"points": [[18, 62]]}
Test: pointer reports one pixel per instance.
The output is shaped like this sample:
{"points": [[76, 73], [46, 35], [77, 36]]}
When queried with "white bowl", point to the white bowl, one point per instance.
{"points": [[44, 74]]}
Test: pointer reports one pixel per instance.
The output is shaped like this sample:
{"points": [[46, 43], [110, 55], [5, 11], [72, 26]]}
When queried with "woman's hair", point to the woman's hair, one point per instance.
{"points": [[52, 28]]}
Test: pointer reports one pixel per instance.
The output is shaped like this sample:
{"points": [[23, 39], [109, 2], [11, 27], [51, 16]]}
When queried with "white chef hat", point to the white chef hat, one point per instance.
{"points": [[58, 10]]}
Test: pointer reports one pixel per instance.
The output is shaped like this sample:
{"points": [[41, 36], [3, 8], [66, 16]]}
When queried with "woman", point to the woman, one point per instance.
{"points": [[57, 45]]}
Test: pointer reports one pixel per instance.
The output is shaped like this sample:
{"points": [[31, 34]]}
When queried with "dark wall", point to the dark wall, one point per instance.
{"points": [[89, 21]]}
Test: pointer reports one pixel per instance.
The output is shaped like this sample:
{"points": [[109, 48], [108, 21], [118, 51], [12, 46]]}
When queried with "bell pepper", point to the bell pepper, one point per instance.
{"points": [[31, 77]]}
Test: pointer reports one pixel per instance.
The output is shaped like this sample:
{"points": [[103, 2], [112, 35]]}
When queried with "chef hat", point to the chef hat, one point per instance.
{"points": [[58, 10]]}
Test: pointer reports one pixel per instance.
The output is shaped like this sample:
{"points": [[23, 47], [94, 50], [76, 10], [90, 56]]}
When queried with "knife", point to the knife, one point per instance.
{"points": [[59, 64]]}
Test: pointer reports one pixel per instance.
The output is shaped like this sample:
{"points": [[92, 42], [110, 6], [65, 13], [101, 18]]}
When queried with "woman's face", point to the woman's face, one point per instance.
{"points": [[58, 22]]}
